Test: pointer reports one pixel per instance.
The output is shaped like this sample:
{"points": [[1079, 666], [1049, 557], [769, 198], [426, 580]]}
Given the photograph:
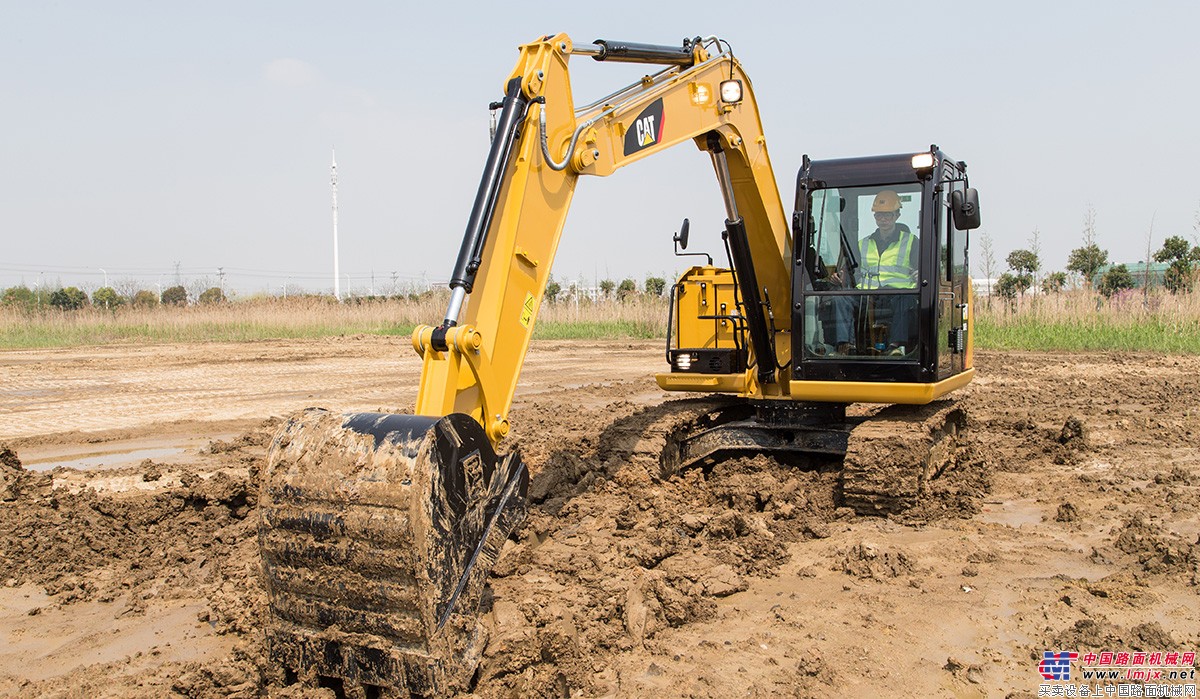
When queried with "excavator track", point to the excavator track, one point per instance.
{"points": [[892, 458], [652, 435], [377, 533], [887, 460]]}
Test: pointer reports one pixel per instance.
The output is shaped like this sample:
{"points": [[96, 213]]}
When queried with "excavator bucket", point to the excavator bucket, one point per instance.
{"points": [[377, 533]]}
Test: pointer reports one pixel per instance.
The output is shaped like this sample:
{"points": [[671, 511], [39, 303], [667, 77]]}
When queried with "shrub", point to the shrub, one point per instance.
{"points": [[107, 297], [175, 296], [69, 299], [1054, 282], [19, 297], [212, 295], [655, 286], [1009, 285], [1086, 261], [1116, 279], [145, 299], [1181, 256]]}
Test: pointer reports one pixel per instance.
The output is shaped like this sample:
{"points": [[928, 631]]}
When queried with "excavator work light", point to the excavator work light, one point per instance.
{"points": [[922, 161], [731, 91], [701, 94]]}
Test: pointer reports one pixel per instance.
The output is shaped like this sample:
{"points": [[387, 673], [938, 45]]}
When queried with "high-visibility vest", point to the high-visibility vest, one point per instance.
{"points": [[890, 269]]}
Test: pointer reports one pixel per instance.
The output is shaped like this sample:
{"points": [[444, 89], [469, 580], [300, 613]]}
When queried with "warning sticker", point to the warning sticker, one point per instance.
{"points": [[527, 310]]}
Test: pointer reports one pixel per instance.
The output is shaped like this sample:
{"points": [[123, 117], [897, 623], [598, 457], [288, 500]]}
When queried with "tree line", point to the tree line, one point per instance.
{"points": [[1086, 262], [627, 289], [72, 298]]}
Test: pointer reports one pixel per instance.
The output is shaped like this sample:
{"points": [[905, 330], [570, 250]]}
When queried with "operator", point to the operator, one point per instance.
{"points": [[888, 259]]}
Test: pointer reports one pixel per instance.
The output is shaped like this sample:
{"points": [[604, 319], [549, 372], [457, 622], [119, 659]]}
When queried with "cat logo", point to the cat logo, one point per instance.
{"points": [[646, 130]]}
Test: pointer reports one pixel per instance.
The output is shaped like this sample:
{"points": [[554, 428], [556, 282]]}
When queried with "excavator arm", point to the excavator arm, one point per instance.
{"points": [[542, 146], [378, 531]]}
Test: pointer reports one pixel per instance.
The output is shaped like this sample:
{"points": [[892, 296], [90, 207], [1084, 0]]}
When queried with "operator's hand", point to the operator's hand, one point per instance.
{"points": [[840, 278]]}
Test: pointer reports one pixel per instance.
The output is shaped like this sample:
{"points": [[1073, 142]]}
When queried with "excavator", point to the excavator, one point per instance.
{"points": [[377, 531]]}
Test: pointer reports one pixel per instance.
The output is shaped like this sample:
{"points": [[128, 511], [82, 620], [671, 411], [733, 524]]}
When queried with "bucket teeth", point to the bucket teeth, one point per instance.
{"points": [[377, 533]]}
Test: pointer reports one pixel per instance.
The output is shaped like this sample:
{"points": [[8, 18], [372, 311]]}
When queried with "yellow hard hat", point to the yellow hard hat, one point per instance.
{"points": [[887, 200]]}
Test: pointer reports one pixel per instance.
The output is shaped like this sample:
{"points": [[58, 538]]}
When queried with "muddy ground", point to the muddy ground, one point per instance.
{"points": [[128, 561]]}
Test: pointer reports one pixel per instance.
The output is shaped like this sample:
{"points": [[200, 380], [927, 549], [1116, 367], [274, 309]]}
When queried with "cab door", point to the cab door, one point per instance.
{"points": [[953, 288]]}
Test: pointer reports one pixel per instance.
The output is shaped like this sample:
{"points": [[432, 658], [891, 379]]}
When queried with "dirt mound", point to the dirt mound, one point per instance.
{"points": [[1073, 432], [867, 560], [1089, 634], [608, 569], [10, 474], [1157, 550], [193, 538], [55, 539]]}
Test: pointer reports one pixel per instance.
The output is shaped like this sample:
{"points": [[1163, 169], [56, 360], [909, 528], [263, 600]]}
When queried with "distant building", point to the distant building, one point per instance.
{"points": [[983, 287], [1144, 274]]}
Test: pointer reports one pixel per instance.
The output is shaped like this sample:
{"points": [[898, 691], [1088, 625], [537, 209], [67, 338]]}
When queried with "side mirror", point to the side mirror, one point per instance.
{"points": [[965, 205], [681, 241], [682, 236]]}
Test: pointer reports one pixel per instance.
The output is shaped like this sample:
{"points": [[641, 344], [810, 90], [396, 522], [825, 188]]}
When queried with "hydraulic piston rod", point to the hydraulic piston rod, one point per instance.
{"points": [[630, 52], [743, 268], [463, 278]]}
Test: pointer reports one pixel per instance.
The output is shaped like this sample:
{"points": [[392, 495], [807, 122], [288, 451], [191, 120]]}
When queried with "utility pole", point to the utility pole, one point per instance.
{"points": [[178, 279], [337, 287], [105, 285], [221, 276]]}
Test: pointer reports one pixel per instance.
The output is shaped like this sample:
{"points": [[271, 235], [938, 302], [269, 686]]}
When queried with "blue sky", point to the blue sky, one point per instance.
{"points": [[138, 135]]}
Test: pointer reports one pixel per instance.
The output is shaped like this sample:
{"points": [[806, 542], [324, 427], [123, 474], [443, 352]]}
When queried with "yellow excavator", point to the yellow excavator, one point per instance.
{"points": [[377, 531]]}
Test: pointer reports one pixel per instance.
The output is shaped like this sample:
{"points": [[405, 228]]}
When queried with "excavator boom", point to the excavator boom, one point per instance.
{"points": [[541, 148]]}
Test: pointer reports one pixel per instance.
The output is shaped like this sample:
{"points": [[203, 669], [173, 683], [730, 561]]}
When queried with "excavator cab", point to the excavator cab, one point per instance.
{"points": [[881, 292]]}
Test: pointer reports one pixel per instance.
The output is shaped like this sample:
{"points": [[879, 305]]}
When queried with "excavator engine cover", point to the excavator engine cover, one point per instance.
{"points": [[378, 532]]}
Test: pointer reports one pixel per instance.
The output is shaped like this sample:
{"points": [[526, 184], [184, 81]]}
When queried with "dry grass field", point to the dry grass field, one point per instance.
{"points": [[1072, 320]]}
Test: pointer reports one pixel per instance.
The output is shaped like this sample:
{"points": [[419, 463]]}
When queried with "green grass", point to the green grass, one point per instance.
{"points": [[46, 336], [1083, 321], [597, 330], [1099, 334]]}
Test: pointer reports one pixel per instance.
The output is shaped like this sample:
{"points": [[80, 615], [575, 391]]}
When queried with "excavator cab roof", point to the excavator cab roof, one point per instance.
{"points": [[877, 169]]}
